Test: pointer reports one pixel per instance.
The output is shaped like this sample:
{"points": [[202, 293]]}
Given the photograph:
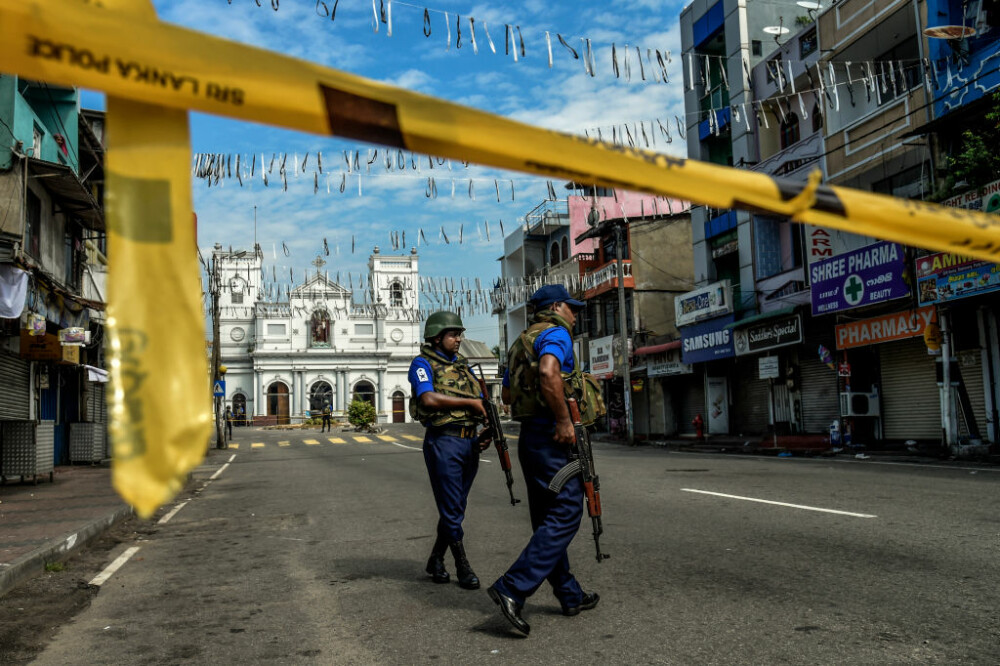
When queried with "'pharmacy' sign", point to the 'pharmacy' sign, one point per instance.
{"points": [[886, 328]]}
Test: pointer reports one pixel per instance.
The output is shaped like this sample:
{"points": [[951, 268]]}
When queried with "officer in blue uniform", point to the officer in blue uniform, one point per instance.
{"points": [[538, 401], [446, 399]]}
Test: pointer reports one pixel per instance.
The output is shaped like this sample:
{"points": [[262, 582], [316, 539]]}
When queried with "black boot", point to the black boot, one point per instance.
{"points": [[435, 564], [467, 578]]}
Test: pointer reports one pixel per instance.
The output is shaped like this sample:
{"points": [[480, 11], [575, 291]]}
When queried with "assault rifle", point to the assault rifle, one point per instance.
{"points": [[582, 462], [494, 431]]}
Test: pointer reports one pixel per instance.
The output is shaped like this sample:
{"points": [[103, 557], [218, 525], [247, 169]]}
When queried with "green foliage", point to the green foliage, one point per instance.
{"points": [[976, 162], [802, 21], [361, 413], [54, 567]]}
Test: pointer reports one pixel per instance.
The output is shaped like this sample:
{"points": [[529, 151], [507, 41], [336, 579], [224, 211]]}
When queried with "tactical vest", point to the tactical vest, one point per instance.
{"points": [[451, 379], [527, 401]]}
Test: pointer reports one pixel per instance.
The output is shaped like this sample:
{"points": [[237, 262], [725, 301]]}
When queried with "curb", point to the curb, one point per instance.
{"points": [[32, 564]]}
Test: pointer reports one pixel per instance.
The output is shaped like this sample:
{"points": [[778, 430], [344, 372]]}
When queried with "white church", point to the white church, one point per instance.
{"points": [[287, 358]]}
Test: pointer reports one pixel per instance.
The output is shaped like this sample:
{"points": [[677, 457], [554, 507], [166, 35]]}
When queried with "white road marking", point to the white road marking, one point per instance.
{"points": [[793, 506], [103, 577], [413, 448], [173, 512], [404, 446], [219, 471]]}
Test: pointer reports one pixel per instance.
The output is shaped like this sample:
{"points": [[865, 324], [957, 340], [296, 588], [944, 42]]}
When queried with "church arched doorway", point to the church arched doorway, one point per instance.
{"points": [[398, 407], [277, 403], [240, 409], [320, 394]]}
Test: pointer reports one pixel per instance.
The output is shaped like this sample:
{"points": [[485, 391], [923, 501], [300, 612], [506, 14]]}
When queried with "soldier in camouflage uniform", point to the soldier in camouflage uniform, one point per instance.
{"points": [[540, 365], [447, 400]]}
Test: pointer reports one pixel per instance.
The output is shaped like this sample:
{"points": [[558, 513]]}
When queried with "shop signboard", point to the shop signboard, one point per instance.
{"points": [[897, 326], [707, 341], [704, 303], [667, 363], [870, 275], [768, 367], [768, 335], [946, 277], [602, 359]]}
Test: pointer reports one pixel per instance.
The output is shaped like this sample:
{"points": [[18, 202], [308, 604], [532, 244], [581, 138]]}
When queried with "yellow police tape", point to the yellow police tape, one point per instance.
{"points": [[160, 400], [167, 65]]}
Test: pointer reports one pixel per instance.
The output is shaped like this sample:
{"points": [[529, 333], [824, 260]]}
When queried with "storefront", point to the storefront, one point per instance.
{"points": [[889, 386], [765, 394], [711, 343], [662, 397], [965, 292]]}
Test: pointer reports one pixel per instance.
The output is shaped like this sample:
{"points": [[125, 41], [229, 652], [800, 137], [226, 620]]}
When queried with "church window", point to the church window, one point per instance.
{"points": [[396, 295], [364, 390], [237, 297], [319, 329]]}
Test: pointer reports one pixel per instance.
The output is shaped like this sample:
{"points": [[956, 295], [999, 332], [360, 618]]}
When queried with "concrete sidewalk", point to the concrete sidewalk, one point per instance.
{"points": [[46, 522]]}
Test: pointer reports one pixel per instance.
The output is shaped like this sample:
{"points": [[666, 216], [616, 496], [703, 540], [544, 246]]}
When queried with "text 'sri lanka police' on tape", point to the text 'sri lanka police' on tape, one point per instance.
{"points": [[158, 63]]}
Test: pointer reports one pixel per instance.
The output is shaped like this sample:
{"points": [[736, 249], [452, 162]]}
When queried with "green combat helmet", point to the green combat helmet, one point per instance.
{"points": [[441, 321]]}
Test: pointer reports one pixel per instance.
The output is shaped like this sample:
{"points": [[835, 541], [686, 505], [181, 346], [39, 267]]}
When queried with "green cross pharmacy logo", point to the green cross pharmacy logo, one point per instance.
{"points": [[854, 290]]}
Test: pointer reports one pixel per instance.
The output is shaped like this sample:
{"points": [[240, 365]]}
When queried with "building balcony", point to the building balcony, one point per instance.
{"points": [[605, 278], [546, 217]]}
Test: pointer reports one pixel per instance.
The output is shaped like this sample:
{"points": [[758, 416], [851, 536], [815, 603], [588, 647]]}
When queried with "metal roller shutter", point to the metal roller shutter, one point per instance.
{"points": [[15, 377], [690, 395], [819, 393], [751, 412], [911, 406]]}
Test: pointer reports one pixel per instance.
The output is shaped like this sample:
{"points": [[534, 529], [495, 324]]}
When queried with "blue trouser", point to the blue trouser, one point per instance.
{"points": [[452, 463], [555, 520]]}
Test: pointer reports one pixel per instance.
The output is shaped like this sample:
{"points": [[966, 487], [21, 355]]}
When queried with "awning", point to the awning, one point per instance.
{"points": [[656, 349], [96, 374], [746, 321], [71, 196]]}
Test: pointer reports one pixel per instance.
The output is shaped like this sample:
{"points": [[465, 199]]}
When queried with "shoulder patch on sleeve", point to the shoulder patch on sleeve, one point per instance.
{"points": [[422, 375]]}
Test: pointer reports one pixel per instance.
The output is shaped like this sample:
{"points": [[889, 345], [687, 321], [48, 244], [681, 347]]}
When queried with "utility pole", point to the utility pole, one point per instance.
{"points": [[625, 365], [215, 286]]}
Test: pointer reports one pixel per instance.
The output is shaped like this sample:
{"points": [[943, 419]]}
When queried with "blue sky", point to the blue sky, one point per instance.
{"points": [[564, 97]]}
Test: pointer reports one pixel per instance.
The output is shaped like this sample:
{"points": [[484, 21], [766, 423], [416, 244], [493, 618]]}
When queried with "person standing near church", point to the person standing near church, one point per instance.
{"points": [[446, 399], [541, 363], [327, 412]]}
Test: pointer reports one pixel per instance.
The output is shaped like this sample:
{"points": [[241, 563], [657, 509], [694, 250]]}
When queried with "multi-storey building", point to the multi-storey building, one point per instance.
{"points": [[51, 274], [576, 243], [797, 337]]}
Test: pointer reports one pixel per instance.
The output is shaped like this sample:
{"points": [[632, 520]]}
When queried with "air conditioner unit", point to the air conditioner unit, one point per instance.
{"points": [[854, 403]]}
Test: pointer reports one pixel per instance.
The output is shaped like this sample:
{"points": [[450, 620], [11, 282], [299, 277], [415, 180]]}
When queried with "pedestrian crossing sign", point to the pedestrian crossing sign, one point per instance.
{"points": [[219, 390]]}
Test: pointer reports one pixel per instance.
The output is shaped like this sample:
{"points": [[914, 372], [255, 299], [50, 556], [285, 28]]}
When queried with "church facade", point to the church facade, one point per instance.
{"points": [[287, 358]]}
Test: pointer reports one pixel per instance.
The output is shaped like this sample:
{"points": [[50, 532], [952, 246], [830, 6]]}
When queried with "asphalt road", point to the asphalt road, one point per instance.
{"points": [[314, 553]]}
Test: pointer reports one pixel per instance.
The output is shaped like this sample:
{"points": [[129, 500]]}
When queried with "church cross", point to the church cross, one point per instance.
{"points": [[319, 263]]}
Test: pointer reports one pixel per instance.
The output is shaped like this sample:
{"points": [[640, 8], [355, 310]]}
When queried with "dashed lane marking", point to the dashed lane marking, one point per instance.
{"points": [[103, 577], [412, 438], [311, 442], [257, 445], [363, 440], [284, 443], [387, 438], [336, 440]]}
